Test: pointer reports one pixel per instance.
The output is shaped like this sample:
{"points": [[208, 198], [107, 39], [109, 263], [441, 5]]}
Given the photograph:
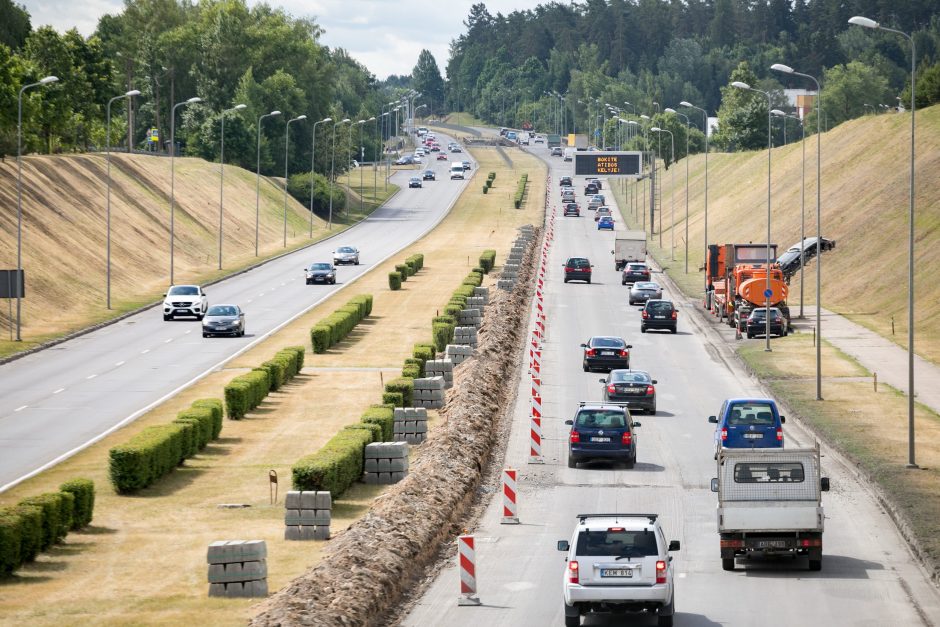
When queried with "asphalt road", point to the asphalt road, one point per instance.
{"points": [[59, 400], [868, 577]]}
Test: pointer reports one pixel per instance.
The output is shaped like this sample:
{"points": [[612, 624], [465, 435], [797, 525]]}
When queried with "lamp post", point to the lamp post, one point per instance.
{"points": [[387, 158], [258, 178], [361, 159], [129, 94], [869, 23], [672, 157], [685, 103], [313, 165], [237, 107], [286, 162], [192, 100], [779, 113], [634, 123], [646, 146], [767, 293], [375, 160], [674, 112], [333, 170]]}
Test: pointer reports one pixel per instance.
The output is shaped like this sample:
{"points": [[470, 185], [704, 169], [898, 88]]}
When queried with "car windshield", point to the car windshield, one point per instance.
{"points": [[345, 249], [600, 419], [607, 342], [320, 266], [747, 414], [578, 263], [606, 219], [183, 290], [657, 307], [222, 310], [637, 267], [647, 287], [617, 541], [623, 376]]}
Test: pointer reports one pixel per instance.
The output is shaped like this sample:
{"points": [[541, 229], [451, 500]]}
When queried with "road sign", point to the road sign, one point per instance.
{"points": [[768, 293], [596, 163]]}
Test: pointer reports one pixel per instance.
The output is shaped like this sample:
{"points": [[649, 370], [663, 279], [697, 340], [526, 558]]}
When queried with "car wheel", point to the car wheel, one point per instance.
{"points": [[242, 334], [665, 613], [572, 620], [200, 318], [727, 563], [572, 462], [566, 279], [750, 335], [623, 282], [642, 329], [357, 262], [585, 367], [631, 462], [204, 334], [589, 281], [653, 411], [167, 318], [815, 565], [673, 330]]}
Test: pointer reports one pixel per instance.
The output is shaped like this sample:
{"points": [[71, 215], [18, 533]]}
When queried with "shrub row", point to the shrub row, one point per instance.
{"points": [[38, 522], [404, 270], [157, 450], [520, 190], [488, 260], [332, 329], [338, 464], [489, 181], [402, 385]]}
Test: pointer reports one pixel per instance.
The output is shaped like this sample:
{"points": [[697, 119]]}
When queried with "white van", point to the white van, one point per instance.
{"points": [[456, 170]]}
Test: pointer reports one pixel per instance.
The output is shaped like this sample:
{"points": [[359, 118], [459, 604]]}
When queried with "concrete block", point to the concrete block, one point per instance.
{"points": [[292, 500], [292, 517], [401, 412], [256, 589], [397, 476], [228, 551], [216, 589], [321, 533], [370, 478], [314, 517], [292, 532], [323, 500], [421, 426], [253, 571]]}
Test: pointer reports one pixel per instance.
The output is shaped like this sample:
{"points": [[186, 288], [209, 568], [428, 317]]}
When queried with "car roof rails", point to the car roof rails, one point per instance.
{"points": [[583, 403], [652, 517]]}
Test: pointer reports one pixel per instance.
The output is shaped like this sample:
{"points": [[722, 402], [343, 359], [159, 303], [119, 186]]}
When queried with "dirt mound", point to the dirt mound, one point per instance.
{"points": [[367, 570]]}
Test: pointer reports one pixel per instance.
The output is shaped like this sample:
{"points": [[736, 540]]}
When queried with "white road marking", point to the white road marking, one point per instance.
{"points": [[168, 340], [145, 351], [120, 363], [250, 299], [188, 332], [59, 390], [682, 575], [91, 376], [21, 408]]}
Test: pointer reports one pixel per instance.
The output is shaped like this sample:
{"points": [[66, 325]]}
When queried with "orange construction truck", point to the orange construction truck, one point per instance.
{"points": [[736, 276]]}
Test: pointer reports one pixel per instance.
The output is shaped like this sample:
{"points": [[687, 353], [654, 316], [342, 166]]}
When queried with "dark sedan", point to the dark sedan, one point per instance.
{"points": [[634, 272], [414, 181], [634, 387], [571, 209], [428, 175], [605, 353], [757, 322], [223, 320], [644, 291], [659, 314], [320, 273]]}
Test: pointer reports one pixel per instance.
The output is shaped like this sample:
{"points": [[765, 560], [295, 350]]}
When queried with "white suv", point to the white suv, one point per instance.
{"points": [[616, 563], [184, 300]]}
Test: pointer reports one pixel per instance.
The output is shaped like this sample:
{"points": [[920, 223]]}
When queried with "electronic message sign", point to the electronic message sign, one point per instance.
{"points": [[594, 163]]}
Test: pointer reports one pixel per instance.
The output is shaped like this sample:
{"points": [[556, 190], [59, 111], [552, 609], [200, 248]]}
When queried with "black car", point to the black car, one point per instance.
{"points": [[320, 273], [578, 269], [224, 320], [571, 209], [605, 352], [565, 181], [601, 431], [634, 272], [658, 314], [590, 189], [596, 181], [634, 387], [428, 175], [790, 260], [414, 181], [757, 322]]}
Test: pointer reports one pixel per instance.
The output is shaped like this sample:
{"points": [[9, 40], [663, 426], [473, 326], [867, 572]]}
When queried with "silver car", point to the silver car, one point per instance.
{"points": [[643, 291], [346, 254], [224, 320]]}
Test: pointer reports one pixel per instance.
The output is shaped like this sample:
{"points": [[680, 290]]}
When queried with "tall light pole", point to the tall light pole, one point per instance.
{"points": [[635, 124], [313, 166], [19, 194], [672, 157], [375, 159], [237, 107], [385, 154], [361, 159], [192, 100], [128, 95], [333, 170], [779, 113], [684, 116], [685, 103], [286, 163], [869, 23], [258, 179], [768, 292]]}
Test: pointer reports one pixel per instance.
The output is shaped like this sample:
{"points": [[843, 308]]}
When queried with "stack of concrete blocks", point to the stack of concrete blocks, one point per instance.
{"points": [[429, 392], [477, 302], [481, 292], [465, 336], [238, 568], [443, 368], [458, 354], [513, 265], [307, 515], [411, 424], [470, 317], [385, 462]]}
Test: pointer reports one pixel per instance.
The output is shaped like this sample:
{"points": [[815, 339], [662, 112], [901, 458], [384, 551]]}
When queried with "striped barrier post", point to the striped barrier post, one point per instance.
{"points": [[510, 513], [466, 563], [537, 361], [536, 386], [535, 437]]}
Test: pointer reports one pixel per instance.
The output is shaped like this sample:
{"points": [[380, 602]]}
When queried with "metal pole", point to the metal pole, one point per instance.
{"points": [[238, 107], [313, 165], [802, 213], [192, 100], [258, 179], [705, 118], [333, 169], [286, 171]]}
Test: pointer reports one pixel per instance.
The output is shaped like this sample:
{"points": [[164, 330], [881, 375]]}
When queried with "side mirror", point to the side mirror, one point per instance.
{"points": [[824, 484], [673, 545], [713, 419], [164, 295], [603, 380], [584, 345], [569, 422], [655, 381], [563, 545], [783, 419], [714, 484], [629, 345], [612, 253], [637, 424]]}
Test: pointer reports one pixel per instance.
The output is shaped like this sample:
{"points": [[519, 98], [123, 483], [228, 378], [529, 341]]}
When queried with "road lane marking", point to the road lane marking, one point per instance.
{"points": [[59, 390], [188, 332], [167, 341], [21, 408], [145, 351], [120, 363], [91, 376]]}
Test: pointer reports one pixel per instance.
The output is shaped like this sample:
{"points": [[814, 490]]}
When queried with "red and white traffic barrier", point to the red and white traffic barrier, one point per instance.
{"points": [[466, 563], [536, 386], [536, 361], [535, 438], [510, 513]]}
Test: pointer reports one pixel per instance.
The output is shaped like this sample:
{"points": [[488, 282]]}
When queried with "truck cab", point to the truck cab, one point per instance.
{"points": [[748, 423]]}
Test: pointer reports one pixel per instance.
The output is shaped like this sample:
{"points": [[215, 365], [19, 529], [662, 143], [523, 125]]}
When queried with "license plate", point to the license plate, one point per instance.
{"points": [[771, 544], [616, 572], [753, 436], [660, 317], [607, 352], [600, 439]]}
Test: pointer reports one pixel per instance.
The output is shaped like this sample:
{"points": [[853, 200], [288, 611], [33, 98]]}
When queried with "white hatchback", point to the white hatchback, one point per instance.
{"points": [[616, 563]]}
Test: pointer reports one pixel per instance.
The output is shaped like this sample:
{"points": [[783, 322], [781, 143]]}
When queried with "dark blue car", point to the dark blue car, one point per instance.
{"points": [[605, 223], [602, 431], [748, 423]]}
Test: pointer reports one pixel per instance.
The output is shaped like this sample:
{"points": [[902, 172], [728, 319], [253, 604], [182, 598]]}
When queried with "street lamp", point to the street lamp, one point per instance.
{"points": [[129, 94], [779, 113], [869, 23], [674, 112], [192, 100], [333, 170], [286, 162], [672, 157], [237, 107], [313, 166], [384, 153], [258, 178], [685, 103], [635, 196], [768, 292], [361, 160]]}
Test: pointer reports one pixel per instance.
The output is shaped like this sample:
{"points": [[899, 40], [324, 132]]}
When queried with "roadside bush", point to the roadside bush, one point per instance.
{"points": [[404, 386], [466, 291], [299, 186], [473, 279], [320, 338], [365, 302], [148, 456], [84, 507], [54, 528], [384, 417], [334, 467], [486, 188], [190, 439], [30, 530], [215, 406], [394, 281], [402, 269], [277, 372], [452, 310], [245, 392], [417, 363], [396, 399], [418, 258], [374, 430], [410, 371], [332, 329], [488, 260], [491, 176], [203, 419], [443, 334]]}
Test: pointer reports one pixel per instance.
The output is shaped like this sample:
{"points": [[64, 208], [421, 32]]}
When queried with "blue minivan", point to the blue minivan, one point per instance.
{"points": [[748, 423]]}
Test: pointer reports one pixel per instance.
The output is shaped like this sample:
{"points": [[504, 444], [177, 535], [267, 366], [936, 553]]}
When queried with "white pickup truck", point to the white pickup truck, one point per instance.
{"points": [[770, 503]]}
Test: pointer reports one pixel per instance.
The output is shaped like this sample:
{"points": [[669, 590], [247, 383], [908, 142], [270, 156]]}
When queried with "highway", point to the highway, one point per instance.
{"points": [[868, 576], [59, 400]]}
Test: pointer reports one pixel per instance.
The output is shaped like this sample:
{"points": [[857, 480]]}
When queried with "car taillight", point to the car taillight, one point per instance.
{"points": [[661, 571], [724, 435], [624, 353], [612, 389], [590, 352], [807, 542], [573, 572], [650, 390], [780, 435], [575, 437], [645, 315], [732, 544], [627, 438], [675, 314]]}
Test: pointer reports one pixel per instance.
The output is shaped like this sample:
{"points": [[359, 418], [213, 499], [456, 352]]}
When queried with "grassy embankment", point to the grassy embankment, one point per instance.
{"points": [[143, 559], [64, 234], [865, 210]]}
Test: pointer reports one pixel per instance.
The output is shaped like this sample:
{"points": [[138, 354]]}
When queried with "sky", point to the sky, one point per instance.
{"points": [[386, 36]]}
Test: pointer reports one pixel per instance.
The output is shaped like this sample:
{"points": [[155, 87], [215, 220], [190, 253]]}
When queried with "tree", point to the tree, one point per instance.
{"points": [[14, 24], [846, 90], [426, 79], [742, 117]]}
